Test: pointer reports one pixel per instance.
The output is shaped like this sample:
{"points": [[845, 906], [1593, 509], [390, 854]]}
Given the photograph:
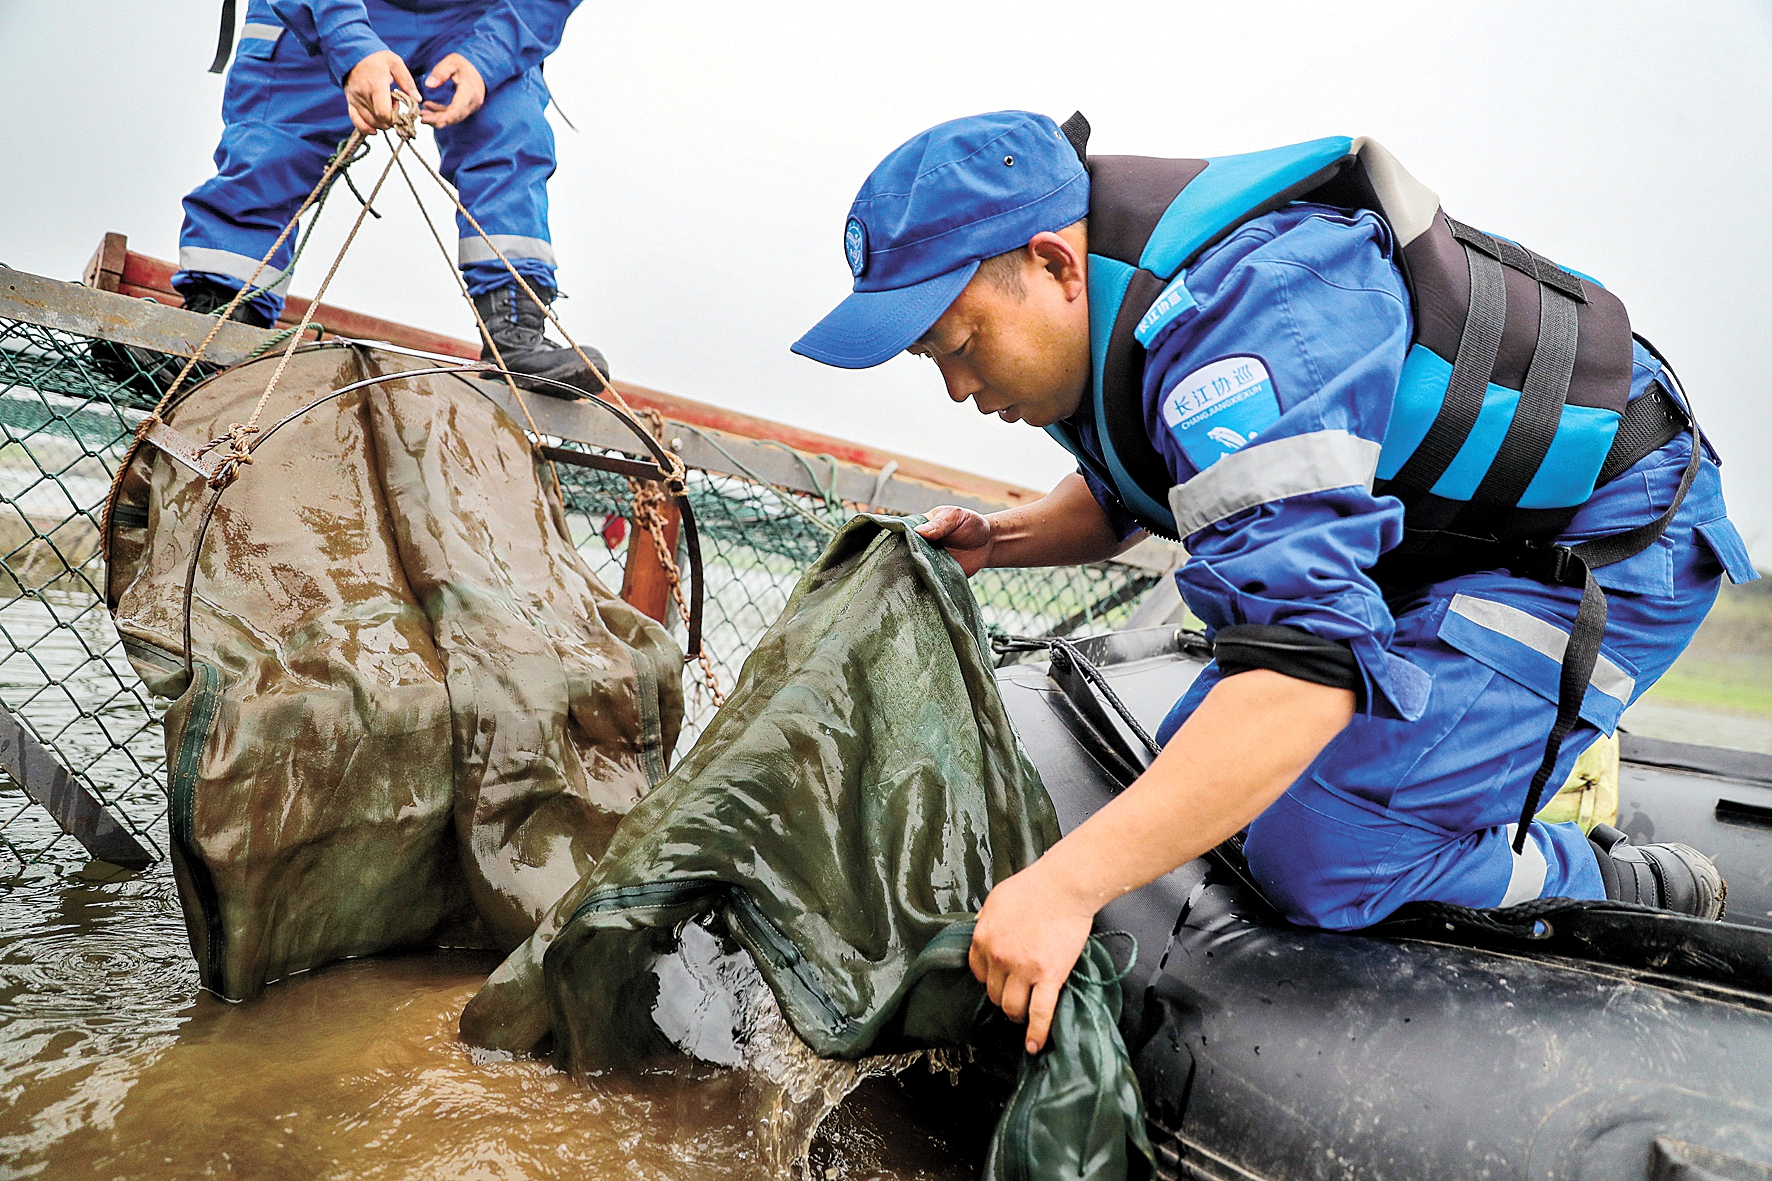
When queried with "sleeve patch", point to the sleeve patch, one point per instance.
{"points": [[1175, 301], [1220, 408]]}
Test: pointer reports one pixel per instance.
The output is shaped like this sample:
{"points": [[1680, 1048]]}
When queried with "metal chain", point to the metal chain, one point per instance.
{"points": [[649, 499]]}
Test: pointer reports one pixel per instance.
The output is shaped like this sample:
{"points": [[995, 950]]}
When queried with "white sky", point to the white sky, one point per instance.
{"points": [[698, 209]]}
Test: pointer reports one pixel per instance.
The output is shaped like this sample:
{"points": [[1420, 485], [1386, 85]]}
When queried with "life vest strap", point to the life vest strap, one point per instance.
{"points": [[1540, 412], [1649, 423], [1574, 565], [1478, 345], [1527, 262], [224, 39]]}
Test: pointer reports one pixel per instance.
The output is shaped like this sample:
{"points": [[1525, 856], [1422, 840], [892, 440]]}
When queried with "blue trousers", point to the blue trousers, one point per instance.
{"points": [[283, 118], [1393, 811]]}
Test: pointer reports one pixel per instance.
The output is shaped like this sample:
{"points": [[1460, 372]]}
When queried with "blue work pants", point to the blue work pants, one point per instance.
{"points": [[283, 119], [1394, 811]]}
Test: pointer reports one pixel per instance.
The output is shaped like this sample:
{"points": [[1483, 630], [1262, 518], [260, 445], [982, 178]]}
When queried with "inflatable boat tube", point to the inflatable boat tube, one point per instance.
{"points": [[1589, 1040]]}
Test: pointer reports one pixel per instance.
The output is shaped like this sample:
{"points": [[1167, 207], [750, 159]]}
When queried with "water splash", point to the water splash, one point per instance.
{"points": [[714, 1005]]}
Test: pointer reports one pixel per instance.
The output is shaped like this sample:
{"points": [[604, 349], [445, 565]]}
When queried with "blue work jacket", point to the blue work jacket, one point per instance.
{"points": [[507, 37], [1303, 326]]}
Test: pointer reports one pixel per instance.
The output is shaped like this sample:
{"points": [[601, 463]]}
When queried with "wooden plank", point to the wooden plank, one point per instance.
{"points": [[42, 777], [87, 311], [707, 437], [144, 277], [735, 455], [152, 277], [105, 270], [644, 582]]}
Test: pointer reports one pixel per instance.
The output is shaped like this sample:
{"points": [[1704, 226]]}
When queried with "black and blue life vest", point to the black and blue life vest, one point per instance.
{"points": [[1513, 404], [1509, 402]]}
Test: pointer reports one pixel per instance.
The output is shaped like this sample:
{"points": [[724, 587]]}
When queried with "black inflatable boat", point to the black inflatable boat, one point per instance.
{"points": [[1571, 1041]]}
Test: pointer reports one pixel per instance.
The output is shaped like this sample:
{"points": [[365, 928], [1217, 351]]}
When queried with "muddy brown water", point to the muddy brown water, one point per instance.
{"points": [[114, 1064]]}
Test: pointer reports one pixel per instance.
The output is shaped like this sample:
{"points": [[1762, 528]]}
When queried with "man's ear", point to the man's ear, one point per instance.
{"points": [[1061, 259]]}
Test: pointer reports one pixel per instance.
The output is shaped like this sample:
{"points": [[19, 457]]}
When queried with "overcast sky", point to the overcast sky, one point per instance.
{"points": [[699, 206]]}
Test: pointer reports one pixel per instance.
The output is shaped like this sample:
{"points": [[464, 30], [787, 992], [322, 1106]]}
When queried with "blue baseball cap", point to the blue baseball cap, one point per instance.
{"points": [[958, 193]]}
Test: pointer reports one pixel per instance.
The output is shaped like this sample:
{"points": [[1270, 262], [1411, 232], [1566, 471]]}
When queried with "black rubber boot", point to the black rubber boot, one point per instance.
{"points": [[207, 298], [517, 325], [147, 373], [1668, 877]]}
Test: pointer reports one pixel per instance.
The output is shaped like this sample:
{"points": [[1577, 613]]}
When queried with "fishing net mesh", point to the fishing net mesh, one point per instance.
{"points": [[66, 420]]}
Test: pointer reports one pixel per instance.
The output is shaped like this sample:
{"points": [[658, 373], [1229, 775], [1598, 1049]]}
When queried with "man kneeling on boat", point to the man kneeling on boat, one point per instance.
{"points": [[1445, 518]]}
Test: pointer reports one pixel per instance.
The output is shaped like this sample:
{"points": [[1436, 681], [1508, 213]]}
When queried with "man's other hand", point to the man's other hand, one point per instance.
{"points": [[963, 533], [470, 91], [367, 89], [1029, 934]]}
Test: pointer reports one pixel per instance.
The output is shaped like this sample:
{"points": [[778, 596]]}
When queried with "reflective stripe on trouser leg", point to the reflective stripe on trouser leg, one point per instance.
{"points": [[282, 119], [482, 277], [1526, 882], [238, 267], [1543, 637], [512, 246], [500, 159]]}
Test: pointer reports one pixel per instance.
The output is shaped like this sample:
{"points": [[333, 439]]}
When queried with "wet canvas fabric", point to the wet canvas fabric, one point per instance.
{"points": [[415, 716], [842, 818]]}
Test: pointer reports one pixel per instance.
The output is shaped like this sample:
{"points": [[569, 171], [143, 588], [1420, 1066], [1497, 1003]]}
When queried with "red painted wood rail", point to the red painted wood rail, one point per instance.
{"points": [[114, 267]]}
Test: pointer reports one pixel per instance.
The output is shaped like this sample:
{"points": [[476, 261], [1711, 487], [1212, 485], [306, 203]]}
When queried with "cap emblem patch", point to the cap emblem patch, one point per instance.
{"points": [[855, 246]]}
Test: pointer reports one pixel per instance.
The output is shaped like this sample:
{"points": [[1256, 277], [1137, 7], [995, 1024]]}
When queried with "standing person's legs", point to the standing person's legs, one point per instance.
{"points": [[283, 118], [500, 159]]}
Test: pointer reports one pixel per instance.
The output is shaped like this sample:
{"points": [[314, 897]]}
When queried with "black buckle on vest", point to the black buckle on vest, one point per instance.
{"points": [[1557, 565]]}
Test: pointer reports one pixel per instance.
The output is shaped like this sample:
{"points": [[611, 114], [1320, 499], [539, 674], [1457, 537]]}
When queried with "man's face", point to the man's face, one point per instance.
{"points": [[1021, 356]]}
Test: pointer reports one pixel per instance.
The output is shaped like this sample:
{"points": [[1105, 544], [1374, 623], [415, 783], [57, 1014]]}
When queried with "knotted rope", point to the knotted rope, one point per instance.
{"points": [[648, 496], [240, 434], [239, 437]]}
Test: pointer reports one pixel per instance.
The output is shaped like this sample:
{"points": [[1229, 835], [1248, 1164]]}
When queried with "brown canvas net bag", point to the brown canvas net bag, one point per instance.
{"points": [[409, 715]]}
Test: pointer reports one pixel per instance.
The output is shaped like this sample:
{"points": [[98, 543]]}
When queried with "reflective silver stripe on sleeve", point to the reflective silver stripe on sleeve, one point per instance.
{"points": [[256, 32], [1285, 467], [234, 266], [475, 249], [1543, 637], [1526, 882]]}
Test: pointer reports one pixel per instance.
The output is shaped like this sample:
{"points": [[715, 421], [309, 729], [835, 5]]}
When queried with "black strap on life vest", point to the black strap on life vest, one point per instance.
{"points": [[1650, 422], [1478, 346], [1542, 396], [1574, 565], [1535, 422], [224, 42]]}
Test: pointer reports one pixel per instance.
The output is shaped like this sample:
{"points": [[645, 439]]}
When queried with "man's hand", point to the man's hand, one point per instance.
{"points": [[367, 90], [1028, 937], [1065, 527], [470, 91], [963, 533], [1249, 740]]}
